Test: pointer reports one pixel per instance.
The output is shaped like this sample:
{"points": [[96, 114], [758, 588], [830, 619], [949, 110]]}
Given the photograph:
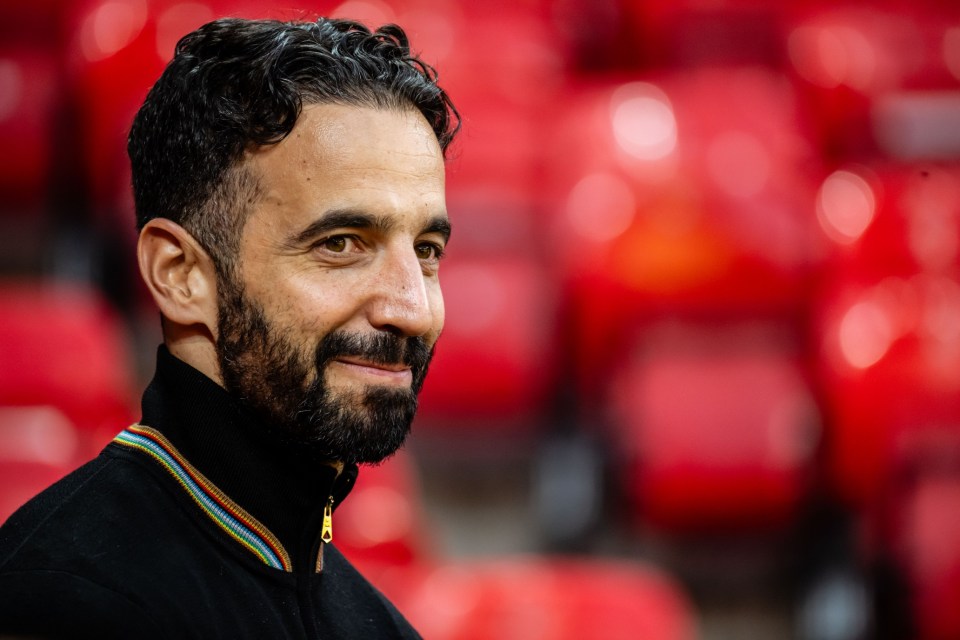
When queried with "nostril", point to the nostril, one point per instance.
{"points": [[394, 330]]}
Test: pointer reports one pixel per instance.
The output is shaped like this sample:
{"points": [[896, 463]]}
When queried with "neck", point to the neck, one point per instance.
{"points": [[196, 348], [280, 485]]}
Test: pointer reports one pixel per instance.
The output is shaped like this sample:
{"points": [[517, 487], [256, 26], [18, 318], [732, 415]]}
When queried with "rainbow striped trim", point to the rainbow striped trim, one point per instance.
{"points": [[228, 515]]}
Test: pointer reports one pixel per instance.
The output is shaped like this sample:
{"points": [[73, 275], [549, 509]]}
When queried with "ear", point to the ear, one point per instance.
{"points": [[180, 276]]}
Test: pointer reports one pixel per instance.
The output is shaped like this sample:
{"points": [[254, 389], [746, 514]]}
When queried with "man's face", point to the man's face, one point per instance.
{"points": [[327, 328]]}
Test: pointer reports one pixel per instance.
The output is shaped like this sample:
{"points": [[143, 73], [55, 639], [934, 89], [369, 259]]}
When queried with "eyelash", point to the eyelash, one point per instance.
{"points": [[344, 237], [439, 250]]}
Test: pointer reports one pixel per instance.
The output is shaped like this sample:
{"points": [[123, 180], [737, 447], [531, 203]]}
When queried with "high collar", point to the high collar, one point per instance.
{"points": [[282, 488]]}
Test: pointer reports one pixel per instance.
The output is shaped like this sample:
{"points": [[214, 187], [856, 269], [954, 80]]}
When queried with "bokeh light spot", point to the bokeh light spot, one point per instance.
{"points": [[111, 27], [601, 207], [866, 333], [846, 205], [643, 121]]}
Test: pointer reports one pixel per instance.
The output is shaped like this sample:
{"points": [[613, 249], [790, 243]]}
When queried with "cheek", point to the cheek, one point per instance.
{"points": [[314, 305]]}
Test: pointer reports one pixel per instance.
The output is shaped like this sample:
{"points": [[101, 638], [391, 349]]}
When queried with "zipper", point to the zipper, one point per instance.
{"points": [[326, 532], [326, 528]]}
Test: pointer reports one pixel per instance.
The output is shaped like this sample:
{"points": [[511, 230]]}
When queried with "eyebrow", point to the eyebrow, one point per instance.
{"points": [[359, 219], [441, 225]]}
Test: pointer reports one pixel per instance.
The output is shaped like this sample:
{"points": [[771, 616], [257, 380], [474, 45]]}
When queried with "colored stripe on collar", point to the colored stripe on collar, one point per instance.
{"points": [[228, 515]]}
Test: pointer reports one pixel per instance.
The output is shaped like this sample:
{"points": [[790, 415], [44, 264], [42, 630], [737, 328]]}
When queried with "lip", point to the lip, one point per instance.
{"points": [[396, 373]]}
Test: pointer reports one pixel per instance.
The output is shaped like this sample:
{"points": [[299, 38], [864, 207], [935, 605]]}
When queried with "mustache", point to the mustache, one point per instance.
{"points": [[379, 348]]}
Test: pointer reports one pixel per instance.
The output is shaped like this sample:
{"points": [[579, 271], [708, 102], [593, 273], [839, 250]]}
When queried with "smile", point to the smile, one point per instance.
{"points": [[398, 374]]}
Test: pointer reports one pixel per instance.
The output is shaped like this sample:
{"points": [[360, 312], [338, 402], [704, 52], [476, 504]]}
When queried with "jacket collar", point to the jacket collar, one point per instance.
{"points": [[284, 489]]}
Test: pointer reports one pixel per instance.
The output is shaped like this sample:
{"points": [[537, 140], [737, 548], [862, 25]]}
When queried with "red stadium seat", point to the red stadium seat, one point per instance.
{"points": [[505, 94], [863, 66], [38, 446], [548, 599], [886, 318], [64, 347], [668, 205], [118, 50], [673, 209], [383, 530], [889, 365], [717, 431], [382, 525], [722, 196]]}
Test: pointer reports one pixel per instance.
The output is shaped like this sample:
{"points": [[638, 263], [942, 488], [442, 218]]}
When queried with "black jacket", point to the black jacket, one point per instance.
{"points": [[193, 524]]}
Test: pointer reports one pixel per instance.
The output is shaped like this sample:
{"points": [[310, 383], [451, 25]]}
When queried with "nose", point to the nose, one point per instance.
{"points": [[402, 303]]}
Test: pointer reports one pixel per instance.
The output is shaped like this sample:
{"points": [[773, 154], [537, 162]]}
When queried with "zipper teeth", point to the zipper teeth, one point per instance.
{"points": [[318, 568]]}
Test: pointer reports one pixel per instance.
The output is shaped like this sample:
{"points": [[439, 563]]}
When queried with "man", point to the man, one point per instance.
{"points": [[289, 188]]}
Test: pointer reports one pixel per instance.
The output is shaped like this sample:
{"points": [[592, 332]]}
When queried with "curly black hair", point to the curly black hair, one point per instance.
{"points": [[235, 84]]}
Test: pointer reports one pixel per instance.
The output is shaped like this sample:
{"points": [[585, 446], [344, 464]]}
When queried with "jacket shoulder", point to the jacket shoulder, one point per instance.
{"points": [[49, 566], [72, 606]]}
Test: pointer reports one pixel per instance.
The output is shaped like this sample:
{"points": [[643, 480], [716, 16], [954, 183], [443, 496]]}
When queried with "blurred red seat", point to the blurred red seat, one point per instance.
{"points": [[887, 325], [683, 203], [383, 529], [38, 446], [669, 205], [547, 599], [887, 317], [383, 523], [63, 346], [851, 58], [716, 431], [117, 51]]}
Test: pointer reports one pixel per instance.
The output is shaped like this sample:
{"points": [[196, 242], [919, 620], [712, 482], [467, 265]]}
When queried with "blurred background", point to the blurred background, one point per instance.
{"points": [[701, 370]]}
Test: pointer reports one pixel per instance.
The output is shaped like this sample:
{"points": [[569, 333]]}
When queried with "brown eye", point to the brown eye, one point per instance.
{"points": [[336, 244], [429, 251]]}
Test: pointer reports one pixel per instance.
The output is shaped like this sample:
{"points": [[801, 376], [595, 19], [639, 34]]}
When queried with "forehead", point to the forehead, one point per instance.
{"points": [[383, 161]]}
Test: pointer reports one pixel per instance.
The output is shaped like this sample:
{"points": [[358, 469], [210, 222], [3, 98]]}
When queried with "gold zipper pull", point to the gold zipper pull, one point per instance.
{"points": [[326, 532]]}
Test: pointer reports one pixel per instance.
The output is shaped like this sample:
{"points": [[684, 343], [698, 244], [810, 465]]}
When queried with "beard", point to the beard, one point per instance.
{"points": [[285, 385]]}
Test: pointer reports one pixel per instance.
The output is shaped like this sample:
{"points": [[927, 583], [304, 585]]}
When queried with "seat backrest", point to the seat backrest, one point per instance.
{"points": [[64, 347]]}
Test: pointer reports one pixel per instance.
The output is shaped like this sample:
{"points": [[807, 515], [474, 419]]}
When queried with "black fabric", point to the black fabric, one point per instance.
{"points": [[118, 549]]}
